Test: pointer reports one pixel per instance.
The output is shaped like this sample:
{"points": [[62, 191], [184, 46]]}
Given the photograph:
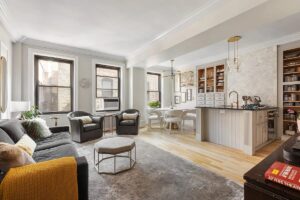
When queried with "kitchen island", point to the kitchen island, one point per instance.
{"points": [[244, 129]]}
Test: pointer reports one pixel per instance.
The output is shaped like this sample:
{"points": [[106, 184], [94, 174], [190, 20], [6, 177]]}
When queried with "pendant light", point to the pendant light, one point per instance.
{"points": [[172, 77], [233, 61]]}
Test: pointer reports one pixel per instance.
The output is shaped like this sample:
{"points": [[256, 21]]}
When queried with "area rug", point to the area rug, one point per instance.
{"points": [[157, 175]]}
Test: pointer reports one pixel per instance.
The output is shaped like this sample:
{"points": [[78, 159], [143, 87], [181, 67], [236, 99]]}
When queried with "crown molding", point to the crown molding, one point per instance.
{"points": [[6, 20]]}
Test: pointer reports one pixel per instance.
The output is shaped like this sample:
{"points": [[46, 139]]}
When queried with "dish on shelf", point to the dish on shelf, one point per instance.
{"points": [[291, 78], [290, 70], [293, 63]]}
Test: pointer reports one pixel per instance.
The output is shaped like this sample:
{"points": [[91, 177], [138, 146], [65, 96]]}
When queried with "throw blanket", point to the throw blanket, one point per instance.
{"points": [[51, 180]]}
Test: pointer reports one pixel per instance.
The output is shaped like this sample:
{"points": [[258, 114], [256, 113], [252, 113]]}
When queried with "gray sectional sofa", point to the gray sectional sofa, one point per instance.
{"points": [[58, 145]]}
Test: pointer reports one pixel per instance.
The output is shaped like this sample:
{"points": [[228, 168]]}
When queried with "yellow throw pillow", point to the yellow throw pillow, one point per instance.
{"points": [[13, 156], [27, 144], [128, 116], [85, 119]]}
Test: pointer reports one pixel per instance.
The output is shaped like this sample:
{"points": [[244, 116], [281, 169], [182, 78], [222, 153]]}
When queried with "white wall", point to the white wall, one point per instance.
{"points": [[84, 62], [192, 103], [166, 90], [137, 97], [6, 51], [257, 76]]}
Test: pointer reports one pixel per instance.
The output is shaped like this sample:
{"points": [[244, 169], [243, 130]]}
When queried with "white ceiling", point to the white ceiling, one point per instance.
{"points": [[117, 27], [277, 31], [150, 33], [271, 23]]}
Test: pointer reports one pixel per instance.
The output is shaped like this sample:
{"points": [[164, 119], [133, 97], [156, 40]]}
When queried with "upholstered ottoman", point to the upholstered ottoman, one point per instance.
{"points": [[114, 147]]}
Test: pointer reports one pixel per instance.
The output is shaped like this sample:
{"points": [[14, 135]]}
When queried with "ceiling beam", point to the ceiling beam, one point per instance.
{"points": [[220, 24]]}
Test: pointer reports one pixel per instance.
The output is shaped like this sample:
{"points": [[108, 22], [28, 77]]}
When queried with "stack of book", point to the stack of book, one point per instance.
{"points": [[284, 174]]}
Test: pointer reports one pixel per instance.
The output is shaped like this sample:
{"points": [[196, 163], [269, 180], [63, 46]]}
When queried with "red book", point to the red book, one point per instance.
{"points": [[284, 174]]}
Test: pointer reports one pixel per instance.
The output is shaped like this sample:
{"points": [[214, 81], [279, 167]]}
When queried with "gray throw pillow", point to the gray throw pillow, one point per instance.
{"points": [[37, 128], [14, 129], [5, 138]]}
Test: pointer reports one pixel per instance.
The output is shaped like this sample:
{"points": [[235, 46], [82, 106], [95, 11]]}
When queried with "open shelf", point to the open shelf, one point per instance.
{"points": [[291, 73], [291, 83], [220, 69], [291, 91], [210, 79], [290, 66], [292, 58], [289, 121], [201, 80], [291, 88]]}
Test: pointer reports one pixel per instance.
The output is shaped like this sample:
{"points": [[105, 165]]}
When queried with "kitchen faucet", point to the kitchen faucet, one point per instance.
{"points": [[237, 98]]}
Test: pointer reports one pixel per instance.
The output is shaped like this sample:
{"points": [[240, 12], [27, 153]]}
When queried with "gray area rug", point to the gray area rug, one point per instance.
{"points": [[157, 175]]}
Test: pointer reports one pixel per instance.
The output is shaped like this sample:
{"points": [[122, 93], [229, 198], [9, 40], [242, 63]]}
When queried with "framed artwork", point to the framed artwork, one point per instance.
{"points": [[177, 99], [183, 97], [187, 79], [177, 82], [189, 94]]}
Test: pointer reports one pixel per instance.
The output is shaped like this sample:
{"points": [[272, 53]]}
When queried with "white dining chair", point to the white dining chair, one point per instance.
{"points": [[154, 115], [191, 116], [173, 116]]}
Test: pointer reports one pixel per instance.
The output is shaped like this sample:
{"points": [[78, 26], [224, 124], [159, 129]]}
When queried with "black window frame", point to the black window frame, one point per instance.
{"points": [[119, 85], [159, 86], [37, 85]]}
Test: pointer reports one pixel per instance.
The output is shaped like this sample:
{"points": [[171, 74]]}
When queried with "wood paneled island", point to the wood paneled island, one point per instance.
{"points": [[246, 130]]}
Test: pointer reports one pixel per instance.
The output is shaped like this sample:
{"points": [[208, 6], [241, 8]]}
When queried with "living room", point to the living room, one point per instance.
{"points": [[133, 99]]}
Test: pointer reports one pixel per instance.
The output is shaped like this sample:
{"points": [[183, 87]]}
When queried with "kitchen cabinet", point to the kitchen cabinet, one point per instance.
{"points": [[211, 84], [246, 130]]}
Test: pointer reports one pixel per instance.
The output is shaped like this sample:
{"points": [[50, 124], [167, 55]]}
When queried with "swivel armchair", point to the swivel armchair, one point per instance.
{"points": [[81, 132], [127, 126]]}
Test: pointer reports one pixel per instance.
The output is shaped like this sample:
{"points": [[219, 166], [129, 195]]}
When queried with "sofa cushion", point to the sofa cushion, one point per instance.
{"points": [[5, 138], [56, 139], [127, 122], [55, 152], [14, 129], [130, 116], [36, 128], [85, 119], [90, 127], [13, 156], [27, 144]]}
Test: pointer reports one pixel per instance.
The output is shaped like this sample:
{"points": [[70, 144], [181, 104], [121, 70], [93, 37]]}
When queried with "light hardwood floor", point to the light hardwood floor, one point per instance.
{"points": [[225, 161]]}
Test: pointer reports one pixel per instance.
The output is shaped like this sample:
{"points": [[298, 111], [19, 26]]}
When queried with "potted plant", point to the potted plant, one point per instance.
{"points": [[30, 114], [154, 104]]}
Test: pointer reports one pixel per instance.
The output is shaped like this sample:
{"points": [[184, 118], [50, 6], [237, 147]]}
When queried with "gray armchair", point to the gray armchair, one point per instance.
{"points": [[85, 132], [127, 127]]}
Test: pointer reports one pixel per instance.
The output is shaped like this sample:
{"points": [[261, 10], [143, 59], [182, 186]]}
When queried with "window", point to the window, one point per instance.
{"points": [[107, 88], [153, 87], [53, 84]]}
